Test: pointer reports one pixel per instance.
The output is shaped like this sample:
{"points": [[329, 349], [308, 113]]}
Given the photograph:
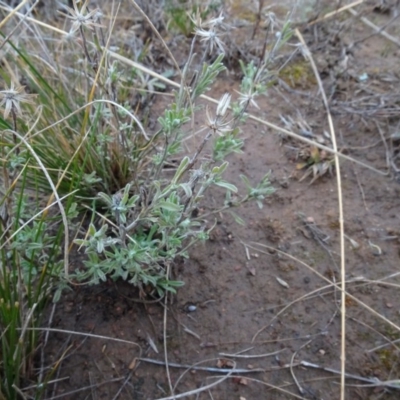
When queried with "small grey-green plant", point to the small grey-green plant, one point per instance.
{"points": [[145, 184], [153, 216]]}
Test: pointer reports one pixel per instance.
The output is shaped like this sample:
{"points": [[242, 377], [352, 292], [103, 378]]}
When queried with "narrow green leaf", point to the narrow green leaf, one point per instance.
{"points": [[238, 219], [125, 197], [180, 170], [227, 186], [92, 230], [167, 205], [187, 189], [106, 199], [246, 181], [223, 167]]}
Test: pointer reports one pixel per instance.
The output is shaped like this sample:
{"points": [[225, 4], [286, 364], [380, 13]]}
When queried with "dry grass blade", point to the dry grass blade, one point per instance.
{"points": [[207, 369], [13, 12], [347, 7], [372, 382], [341, 215], [377, 29], [251, 355], [171, 388], [86, 335], [17, 25], [154, 29]]}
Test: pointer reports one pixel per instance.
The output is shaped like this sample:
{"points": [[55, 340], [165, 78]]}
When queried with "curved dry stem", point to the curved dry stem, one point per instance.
{"points": [[193, 367], [55, 193], [201, 389]]}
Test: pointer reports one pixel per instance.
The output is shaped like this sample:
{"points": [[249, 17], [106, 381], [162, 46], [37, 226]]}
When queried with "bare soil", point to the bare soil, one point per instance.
{"points": [[266, 291]]}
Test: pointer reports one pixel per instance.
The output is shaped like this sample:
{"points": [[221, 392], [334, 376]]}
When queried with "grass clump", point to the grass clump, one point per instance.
{"points": [[30, 254]]}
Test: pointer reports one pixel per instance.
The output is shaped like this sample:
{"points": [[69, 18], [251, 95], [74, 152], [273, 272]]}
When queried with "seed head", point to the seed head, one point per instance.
{"points": [[13, 97]]}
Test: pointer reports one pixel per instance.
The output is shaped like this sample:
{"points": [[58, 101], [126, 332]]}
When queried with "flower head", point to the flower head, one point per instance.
{"points": [[211, 38], [247, 98], [12, 97], [208, 31], [81, 18]]}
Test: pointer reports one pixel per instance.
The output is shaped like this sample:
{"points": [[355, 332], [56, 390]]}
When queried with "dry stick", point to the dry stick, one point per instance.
{"points": [[373, 382], [388, 158], [191, 368], [46, 338], [208, 369], [377, 29], [361, 189], [13, 12], [129, 376], [171, 389], [93, 386], [251, 355], [59, 396], [195, 391], [35, 386], [338, 11], [341, 217], [301, 390], [7, 38], [92, 335], [250, 116]]}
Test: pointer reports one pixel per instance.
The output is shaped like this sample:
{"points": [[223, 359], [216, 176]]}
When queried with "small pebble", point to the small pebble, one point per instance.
{"points": [[306, 279]]}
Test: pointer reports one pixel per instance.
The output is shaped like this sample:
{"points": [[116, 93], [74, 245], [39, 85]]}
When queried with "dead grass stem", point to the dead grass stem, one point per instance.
{"points": [[309, 56]]}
